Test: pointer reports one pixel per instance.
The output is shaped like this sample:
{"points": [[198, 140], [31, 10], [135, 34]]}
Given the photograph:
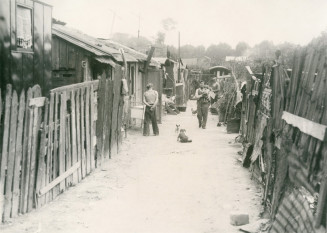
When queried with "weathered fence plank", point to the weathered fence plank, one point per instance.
{"points": [[11, 157], [78, 134], [87, 130], [40, 179], [73, 137], [62, 159], [34, 150], [92, 119], [25, 158], [49, 166], [18, 155], [106, 118], [100, 123], [5, 146], [83, 132], [55, 169]]}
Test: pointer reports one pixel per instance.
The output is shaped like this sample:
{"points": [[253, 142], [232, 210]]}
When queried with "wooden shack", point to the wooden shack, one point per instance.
{"points": [[77, 57], [175, 81], [25, 44]]}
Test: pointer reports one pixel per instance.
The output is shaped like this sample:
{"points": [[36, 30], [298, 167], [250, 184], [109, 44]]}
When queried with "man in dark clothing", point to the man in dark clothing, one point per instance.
{"points": [[150, 99], [203, 103]]}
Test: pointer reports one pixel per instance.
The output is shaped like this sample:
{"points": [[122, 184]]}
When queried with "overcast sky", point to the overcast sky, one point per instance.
{"points": [[200, 22]]}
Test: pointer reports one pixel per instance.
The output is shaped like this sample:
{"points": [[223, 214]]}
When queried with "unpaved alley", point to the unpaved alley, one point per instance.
{"points": [[156, 185]]}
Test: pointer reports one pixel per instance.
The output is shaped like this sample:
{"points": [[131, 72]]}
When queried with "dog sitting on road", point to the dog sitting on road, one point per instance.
{"points": [[177, 128], [182, 137]]}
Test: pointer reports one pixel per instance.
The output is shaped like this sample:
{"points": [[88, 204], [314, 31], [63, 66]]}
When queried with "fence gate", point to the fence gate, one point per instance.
{"points": [[68, 141]]}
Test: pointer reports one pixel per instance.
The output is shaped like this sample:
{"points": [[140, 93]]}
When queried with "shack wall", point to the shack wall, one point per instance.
{"points": [[24, 68]]}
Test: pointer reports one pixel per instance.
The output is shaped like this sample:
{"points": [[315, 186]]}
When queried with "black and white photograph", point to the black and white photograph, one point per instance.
{"points": [[163, 116]]}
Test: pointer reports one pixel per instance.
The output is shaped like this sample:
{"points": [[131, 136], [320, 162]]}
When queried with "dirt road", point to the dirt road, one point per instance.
{"points": [[156, 185]]}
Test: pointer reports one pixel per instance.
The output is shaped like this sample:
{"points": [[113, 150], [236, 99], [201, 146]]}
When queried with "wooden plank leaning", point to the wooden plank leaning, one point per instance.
{"points": [[11, 157], [5, 146], [18, 155]]}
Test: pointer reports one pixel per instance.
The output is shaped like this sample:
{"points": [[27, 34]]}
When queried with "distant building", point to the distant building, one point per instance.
{"points": [[201, 62], [233, 58]]}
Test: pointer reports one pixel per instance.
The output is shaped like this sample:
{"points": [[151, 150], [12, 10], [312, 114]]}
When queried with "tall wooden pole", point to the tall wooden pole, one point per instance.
{"points": [[179, 56]]}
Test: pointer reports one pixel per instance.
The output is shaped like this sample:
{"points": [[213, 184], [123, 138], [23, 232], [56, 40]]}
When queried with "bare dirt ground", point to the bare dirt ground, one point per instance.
{"points": [[156, 185]]}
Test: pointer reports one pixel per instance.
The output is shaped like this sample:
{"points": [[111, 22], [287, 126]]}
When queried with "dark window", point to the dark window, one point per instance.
{"points": [[24, 28]]}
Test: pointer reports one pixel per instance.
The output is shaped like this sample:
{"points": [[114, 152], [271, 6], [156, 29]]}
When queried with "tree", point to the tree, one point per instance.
{"points": [[168, 24], [219, 52], [160, 40], [240, 48], [141, 44], [187, 51], [199, 51], [57, 21], [264, 50]]}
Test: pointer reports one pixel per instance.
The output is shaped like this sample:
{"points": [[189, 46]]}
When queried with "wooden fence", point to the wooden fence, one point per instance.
{"points": [[49, 144], [287, 131]]}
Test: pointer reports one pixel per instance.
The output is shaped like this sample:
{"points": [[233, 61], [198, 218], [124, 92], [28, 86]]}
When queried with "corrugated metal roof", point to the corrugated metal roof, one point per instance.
{"points": [[131, 52], [99, 47], [78, 43]]}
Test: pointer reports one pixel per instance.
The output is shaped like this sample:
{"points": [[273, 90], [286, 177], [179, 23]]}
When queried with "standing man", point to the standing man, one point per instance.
{"points": [[203, 102], [150, 99]]}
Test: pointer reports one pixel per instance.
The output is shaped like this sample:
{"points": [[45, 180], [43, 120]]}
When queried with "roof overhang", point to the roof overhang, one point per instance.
{"points": [[105, 60]]}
